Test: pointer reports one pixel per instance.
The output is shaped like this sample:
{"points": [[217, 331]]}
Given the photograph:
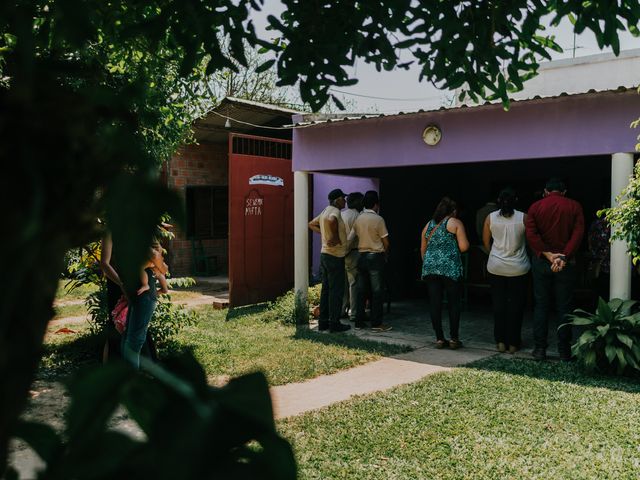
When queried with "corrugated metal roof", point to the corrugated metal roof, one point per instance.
{"points": [[246, 116], [590, 74], [308, 120]]}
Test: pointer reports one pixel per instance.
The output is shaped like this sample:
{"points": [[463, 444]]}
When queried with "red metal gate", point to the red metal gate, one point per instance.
{"points": [[260, 219]]}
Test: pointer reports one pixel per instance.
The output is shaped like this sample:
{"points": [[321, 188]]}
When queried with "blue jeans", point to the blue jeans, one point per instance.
{"points": [[332, 273], [561, 284], [138, 317], [371, 272]]}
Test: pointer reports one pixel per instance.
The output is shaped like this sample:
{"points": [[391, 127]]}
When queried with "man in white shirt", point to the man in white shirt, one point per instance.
{"points": [[334, 248], [349, 215], [373, 245]]}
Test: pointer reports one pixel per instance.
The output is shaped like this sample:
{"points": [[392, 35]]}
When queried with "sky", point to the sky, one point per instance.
{"points": [[400, 90]]}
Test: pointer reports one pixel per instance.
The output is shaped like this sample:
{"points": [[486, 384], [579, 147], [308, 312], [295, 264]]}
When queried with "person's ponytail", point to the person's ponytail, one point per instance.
{"points": [[507, 201]]}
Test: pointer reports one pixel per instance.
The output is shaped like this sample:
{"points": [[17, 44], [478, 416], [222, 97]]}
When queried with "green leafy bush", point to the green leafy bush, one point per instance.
{"points": [[96, 304], [181, 282], [167, 320], [283, 308], [314, 294], [610, 342], [624, 217], [82, 266], [192, 431]]}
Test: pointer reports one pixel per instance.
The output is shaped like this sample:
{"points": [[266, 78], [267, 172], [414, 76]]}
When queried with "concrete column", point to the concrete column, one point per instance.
{"points": [[620, 279], [301, 245]]}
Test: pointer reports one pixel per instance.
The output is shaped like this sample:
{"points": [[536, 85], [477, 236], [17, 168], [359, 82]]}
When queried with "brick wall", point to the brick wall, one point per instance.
{"points": [[205, 164]]}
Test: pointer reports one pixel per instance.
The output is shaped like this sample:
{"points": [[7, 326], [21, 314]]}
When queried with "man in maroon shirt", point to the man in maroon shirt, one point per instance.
{"points": [[554, 229]]}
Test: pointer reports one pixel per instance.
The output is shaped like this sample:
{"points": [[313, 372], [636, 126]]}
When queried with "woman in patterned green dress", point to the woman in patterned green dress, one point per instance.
{"points": [[441, 242]]}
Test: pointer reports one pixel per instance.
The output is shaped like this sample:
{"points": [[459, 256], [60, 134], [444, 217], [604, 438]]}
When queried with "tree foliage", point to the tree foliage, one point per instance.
{"points": [[191, 431], [488, 47], [94, 95], [624, 218], [251, 82]]}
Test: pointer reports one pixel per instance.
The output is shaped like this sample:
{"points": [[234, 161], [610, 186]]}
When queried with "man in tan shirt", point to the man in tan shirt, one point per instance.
{"points": [[330, 226], [349, 215], [373, 245]]}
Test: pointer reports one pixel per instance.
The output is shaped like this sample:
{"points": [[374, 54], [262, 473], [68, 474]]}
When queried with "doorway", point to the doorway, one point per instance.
{"points": [[410, 194]]}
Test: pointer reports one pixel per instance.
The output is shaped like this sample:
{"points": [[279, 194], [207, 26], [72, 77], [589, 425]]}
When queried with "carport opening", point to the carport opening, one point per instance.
{"points": [[409, 196]]}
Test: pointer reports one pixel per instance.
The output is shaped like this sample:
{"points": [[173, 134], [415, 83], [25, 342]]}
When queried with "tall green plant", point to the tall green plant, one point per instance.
{"points": [[191, 431], [625, 216], [610, 342]]}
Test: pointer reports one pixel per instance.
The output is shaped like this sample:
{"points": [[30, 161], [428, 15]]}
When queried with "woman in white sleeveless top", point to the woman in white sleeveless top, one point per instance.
{"points": [[504, 237]]}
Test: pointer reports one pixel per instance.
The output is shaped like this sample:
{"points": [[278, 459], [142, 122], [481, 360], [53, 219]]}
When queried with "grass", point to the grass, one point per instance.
{"points": [[68, 350], [230, 348], [246, 344], [70, 310], [499, 419], [180, 296], [77, 294]]}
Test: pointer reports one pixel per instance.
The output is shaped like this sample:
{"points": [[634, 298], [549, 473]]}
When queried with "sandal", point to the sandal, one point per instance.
{"points": [[442, 344], [455, 344]]}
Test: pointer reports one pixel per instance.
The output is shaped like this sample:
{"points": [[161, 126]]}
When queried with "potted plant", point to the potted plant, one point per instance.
{"points": [[610, 342]]}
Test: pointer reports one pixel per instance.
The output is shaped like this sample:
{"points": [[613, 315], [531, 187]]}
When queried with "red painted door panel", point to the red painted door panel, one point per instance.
{"points": [[260, 219]]}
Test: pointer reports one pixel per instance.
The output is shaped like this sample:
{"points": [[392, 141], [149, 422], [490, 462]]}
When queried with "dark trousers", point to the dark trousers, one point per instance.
{"points": [[370, 274], [509, 295], [332, 274], [545, 284], [436, 285]]}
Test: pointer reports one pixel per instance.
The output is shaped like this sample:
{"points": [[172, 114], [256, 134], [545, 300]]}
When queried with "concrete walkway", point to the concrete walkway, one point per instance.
{"points": [[296, 398], [411, 327]]}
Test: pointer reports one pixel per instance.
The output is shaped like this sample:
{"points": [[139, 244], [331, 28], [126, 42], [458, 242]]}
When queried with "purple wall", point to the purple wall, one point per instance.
{"points": [[322, 185], [590, 124]]}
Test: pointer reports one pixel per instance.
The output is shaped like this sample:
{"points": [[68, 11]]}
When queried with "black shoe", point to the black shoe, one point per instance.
{"points": [[323, 326], [339, 327], [539, 353], [360, 325]]}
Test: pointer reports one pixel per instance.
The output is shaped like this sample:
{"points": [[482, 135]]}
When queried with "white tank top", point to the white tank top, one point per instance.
{"points": [[508, 256]]}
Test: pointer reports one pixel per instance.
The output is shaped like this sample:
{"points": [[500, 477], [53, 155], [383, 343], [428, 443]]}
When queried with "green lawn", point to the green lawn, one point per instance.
{"points": [[80, 293], [231, 348], [72, 310], [246, 344], [505, 418], [65, 352], [68, 306], [183, 296]]}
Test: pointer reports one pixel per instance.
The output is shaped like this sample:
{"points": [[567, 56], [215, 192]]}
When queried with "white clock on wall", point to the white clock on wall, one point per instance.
{"points": [[431, 135]]}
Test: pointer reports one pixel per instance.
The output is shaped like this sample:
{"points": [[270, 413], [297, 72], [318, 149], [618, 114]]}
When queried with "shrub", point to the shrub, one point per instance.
{"points": [[282, 309], [192, 431], [314, 294], [610, 342], [96, 304], [168, 319], [82, 266]]}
